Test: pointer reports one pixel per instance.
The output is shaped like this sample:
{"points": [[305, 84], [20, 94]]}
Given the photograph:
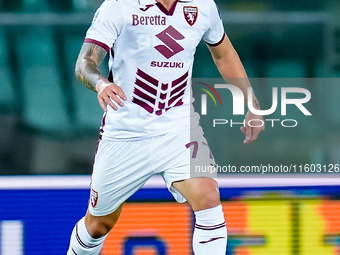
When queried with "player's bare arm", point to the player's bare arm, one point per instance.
{"points": [[87, 72], [231, 69]]}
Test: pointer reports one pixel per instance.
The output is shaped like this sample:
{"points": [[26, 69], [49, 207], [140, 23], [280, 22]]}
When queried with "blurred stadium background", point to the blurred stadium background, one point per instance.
{"points": [[49, 125]]}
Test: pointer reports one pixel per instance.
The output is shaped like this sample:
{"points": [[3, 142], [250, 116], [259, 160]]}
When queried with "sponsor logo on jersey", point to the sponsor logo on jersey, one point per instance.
{"points": [[94, 198], [157, 97], [156, 20], [190, 14], [147, 7], [169, 37], [167, 64]]}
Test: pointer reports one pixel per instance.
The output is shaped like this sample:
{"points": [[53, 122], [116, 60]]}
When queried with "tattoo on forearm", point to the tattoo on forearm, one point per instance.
{"points": [[87, 70], [256, 103]]}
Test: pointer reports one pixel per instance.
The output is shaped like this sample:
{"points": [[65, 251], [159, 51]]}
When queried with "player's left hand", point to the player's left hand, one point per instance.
{"points": [[111, 94], [252, 132]]}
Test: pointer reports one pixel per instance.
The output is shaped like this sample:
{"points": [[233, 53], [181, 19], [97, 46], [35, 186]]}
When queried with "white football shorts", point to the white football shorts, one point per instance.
{"points": [[122, 167]]}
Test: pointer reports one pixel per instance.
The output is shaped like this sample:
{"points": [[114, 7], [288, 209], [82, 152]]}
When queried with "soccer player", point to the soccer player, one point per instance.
{"points": [[149, 126]]}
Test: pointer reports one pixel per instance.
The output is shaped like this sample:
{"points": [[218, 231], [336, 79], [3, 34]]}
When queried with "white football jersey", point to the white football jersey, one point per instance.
{"points": [[151, 58]]}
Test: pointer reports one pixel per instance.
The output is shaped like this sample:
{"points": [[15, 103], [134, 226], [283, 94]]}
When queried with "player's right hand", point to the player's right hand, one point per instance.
{"points": [[110, 94]]}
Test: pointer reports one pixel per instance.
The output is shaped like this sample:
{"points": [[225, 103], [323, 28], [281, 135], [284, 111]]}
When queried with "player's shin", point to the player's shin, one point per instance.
{"points": [[82, 243], [210, 233]]}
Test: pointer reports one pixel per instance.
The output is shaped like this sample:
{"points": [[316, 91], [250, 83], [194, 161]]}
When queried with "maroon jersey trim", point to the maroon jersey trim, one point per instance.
{"points": [[216, 44], [165, 11], [103, 45]]}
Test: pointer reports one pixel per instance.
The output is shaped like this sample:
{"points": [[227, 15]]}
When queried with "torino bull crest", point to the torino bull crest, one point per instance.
{"points": [[94, 198], [190, 14]]}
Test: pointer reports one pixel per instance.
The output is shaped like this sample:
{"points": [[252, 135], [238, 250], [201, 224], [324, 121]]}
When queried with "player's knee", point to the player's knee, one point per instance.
{"points": [[207, 199], [99, 228]]}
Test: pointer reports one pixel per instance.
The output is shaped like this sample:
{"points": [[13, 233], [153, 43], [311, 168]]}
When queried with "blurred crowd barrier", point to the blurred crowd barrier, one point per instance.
{"points": [[263, 216], [48, 5]]}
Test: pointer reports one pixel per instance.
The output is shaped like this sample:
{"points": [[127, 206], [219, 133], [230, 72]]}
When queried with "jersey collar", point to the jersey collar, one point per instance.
{"points": [[145, 2]]}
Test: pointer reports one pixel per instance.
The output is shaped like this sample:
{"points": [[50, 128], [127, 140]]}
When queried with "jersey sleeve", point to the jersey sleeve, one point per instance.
{"points": [[215, 33], [107, 24]]}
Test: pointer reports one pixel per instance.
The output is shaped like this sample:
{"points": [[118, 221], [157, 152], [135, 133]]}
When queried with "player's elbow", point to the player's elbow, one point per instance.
{"points": [[78, 70]]}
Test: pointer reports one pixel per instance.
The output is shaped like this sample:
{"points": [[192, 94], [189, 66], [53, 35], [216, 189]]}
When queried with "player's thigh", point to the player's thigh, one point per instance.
{"points": [[201, 193], [120, 169]]}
